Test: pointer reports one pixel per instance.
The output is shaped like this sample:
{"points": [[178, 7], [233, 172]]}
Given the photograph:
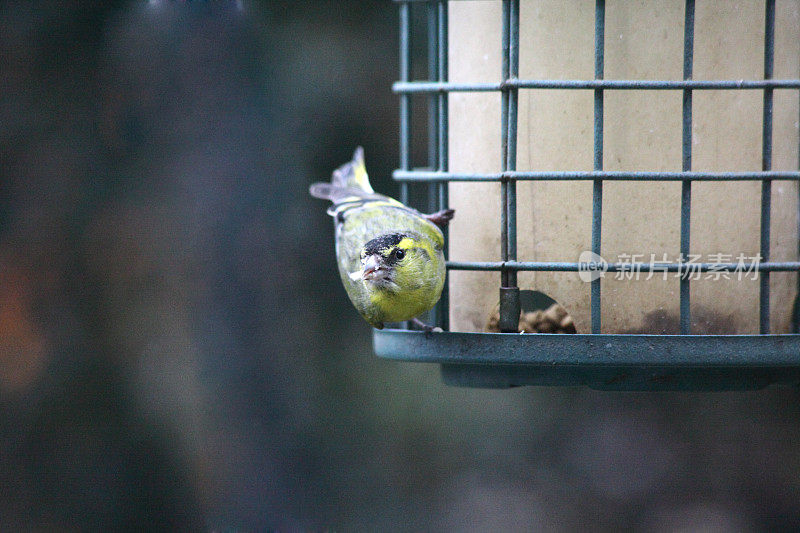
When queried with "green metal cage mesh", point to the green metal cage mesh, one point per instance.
{"points": [[684, 361]]}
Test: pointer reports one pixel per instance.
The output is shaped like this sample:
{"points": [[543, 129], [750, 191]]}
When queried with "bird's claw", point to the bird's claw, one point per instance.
{"points": [[426, 327]]}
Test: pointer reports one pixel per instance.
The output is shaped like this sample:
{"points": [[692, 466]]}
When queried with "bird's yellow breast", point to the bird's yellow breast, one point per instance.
{"points": [[419, 289], [419, 278]]}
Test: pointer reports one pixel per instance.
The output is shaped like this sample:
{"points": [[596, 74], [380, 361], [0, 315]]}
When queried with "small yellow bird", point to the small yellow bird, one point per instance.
{"points": [[389, 255]]}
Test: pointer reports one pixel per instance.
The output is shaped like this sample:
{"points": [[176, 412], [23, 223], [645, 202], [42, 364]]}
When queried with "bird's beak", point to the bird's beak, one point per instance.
{"points": [[373, 267]]}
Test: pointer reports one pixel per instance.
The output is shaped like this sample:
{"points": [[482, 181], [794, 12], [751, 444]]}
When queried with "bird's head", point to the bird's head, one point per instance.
{"points": [[393, 261]]}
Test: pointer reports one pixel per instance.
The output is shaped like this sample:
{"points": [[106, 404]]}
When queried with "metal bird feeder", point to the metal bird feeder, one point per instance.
{"points": [[679, 313]]}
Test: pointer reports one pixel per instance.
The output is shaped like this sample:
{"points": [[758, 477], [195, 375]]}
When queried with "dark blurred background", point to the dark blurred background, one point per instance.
{"points": [[176, 351]]}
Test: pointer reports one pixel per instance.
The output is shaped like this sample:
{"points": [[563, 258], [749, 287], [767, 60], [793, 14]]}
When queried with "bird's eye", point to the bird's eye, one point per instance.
{"points": [[399, 253]]}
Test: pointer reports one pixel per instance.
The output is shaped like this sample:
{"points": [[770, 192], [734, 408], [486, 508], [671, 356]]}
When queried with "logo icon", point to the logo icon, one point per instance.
{"points": [[591, 266]]}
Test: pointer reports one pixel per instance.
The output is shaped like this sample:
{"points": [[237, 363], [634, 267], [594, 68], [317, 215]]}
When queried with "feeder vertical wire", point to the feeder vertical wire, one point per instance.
{"points": [[433, 72], [405, 98], [442, 151], [686, 186], [766, 158], [597, 188], [433, 128]]}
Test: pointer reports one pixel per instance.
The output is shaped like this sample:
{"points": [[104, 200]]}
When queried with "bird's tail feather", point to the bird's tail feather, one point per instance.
{"points": [[348, 180], [353, 175], [322, 190]]}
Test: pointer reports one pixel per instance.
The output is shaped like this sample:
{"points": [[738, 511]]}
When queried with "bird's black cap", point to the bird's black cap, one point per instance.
{"points": [[383, 242]]}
